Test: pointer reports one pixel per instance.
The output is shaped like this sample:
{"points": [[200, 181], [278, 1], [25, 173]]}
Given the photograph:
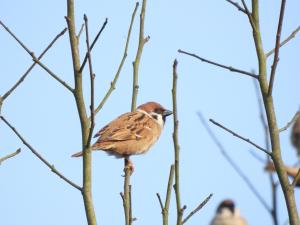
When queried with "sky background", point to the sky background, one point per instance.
{"points": [[44, 112]]}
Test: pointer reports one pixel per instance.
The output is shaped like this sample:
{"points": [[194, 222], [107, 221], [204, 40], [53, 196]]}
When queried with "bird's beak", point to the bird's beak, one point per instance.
{"points": [[167, 113]]}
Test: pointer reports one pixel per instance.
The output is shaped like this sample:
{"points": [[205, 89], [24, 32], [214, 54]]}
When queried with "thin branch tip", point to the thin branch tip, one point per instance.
{"points": [[235, 4], [240, 137], [200, 206], [230, 68], [277, 47], [10, 155], [39, 156]]}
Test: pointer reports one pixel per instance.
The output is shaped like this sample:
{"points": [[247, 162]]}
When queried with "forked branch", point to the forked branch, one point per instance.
{"points": [[22, 78], [236, 4], [92, 45], [36, 60]]}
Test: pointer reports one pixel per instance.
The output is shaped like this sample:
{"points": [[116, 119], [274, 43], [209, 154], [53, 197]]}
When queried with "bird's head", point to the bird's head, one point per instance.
{"points": [[156, 111], [226, 204]]}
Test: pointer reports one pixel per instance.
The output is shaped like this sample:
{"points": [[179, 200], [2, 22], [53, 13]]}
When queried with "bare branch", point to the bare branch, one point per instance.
{"points": [[51, 167], [51, 73], [271, 118], [296, 178], [249, 14], [295, 117], [36, 60], [130, 206], [277, 47], [230, 68], [233, 164], [10, 155], [237, 6], [127, 201], [165, 209], [176, 145], [92, 78], [113, 83], [15, 37], [93, 44], [273, 211], [239, 136], [160, 202], [169, 187], [31, 67], [136, 63], [127, 195], [246, 8], [79, 33], [200, 206], [290, 37]]}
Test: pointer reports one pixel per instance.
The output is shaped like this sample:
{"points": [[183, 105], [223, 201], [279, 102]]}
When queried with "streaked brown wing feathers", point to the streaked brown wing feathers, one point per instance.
{"points": [[129, 126]]}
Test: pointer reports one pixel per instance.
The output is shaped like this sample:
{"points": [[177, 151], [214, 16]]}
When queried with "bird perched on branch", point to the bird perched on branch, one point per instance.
{"points": [[228, 214], [295, 135], [132, 133]]}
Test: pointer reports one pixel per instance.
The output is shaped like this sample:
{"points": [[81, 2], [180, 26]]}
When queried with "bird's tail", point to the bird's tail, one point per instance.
{"points": [[78, 154]]}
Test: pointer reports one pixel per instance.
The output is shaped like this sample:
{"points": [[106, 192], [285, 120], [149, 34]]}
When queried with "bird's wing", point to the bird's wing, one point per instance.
{"points": [[129, 126]]}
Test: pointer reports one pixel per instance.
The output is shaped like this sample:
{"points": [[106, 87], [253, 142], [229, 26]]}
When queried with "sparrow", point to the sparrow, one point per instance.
{"points": [[295, 135], [291, 171], [132, 133], [228, 214]]}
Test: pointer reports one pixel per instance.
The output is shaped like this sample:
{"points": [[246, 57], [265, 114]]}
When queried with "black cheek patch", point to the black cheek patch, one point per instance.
{"points": [[154, 117]]}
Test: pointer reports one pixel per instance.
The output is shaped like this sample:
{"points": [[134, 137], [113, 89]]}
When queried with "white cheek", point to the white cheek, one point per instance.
{"points": [[159, 118]]}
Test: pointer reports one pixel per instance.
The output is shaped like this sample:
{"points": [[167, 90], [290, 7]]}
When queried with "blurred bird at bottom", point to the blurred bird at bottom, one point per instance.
{"points": [[228, 214]]}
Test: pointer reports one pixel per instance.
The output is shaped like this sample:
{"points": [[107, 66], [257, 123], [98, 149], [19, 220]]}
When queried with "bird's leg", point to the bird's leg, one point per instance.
{"points": [[128, 165]]}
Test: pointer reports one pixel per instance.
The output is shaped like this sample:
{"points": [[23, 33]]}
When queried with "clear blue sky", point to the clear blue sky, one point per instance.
{"points": [[44, 112]]}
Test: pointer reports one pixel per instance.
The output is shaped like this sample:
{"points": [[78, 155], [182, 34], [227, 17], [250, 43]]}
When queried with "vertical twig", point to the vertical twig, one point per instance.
{"points": [[273, 210], [136, 63], [84, 121], [277, 47], [168, 195], [126, 200], [92, 78], [176, 146], [272, 122], [165, 208]]}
